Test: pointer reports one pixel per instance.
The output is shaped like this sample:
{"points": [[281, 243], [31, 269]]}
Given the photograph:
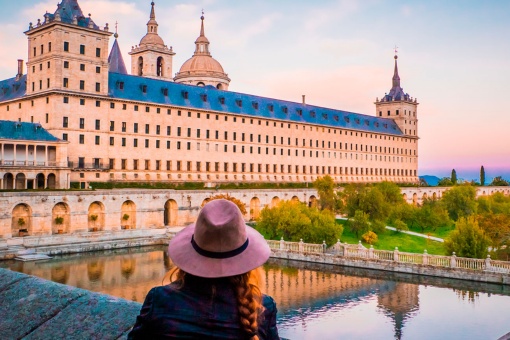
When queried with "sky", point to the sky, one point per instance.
{"points": [[454, 57]]}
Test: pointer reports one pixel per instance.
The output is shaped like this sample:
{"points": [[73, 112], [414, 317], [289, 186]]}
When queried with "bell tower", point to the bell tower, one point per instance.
{"points": [[399, 106], [152, 58]]}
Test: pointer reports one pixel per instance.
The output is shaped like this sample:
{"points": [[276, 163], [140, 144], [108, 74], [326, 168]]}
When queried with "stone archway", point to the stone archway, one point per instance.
{"points": [[39, 181], [312, 202], [404, 196], [415, 198], [295, 199], [425, 196], [128, 215], [95, 216], [275, 201], [254, 208], [171, 213], [52, 181], [21, 180], [21, 224], [434, 196], [8, 181], [60, 218]]}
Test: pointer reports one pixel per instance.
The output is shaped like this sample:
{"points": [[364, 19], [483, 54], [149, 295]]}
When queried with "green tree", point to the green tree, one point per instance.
{"points": [[399, 225], [295, 221], [445, 182], [497, 228], [432, 215], [454, 177], [482, 176], [467, 240], [391, 192], [326, 189], [460, 201], [359, 224], [498, 181]]}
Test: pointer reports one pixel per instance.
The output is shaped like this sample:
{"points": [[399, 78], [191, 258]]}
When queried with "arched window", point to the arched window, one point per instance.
{"points": [[160, 66], [219, 87], [140, 66], [200, 84]]}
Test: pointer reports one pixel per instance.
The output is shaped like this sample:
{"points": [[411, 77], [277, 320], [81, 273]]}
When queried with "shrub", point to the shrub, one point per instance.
{"points": [[369, 237]]}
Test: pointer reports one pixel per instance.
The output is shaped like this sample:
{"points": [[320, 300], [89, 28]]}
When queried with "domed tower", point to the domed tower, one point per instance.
{"points": [[152, 58], [399, 106], [202, 69]]}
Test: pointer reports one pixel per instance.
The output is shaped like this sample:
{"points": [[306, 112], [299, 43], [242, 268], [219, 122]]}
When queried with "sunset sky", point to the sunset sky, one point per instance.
{"points": [[454, 57]]}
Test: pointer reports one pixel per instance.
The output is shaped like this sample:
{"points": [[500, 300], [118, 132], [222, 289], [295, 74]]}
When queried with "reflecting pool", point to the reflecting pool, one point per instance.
{"points": [[314, 301]]}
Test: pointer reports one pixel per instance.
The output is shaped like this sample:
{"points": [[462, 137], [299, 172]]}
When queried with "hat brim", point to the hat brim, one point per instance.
{"points": [[184, 256]]}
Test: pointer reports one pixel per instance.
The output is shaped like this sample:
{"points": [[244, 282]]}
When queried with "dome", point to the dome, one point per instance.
{"points": [[152, 39], [201, 64]]}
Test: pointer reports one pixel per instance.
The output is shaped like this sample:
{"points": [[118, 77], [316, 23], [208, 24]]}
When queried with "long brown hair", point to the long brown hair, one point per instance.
{"points": [[248, 295]]}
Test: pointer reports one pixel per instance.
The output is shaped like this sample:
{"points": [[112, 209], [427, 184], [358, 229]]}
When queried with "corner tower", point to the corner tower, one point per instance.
{"points": [[399, 106], [152, 58], [202, 69], [67, 52]]}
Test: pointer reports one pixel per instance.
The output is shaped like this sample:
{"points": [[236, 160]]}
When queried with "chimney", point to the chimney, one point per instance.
{"points": [[304, 102], [20, 69]]}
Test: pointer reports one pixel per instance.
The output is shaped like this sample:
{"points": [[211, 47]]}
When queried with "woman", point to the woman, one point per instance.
{"points": [[216, 293]]}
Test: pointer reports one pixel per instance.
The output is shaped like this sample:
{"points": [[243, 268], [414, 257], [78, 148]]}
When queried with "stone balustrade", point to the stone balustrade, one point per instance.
{"points": [[343, 253]]}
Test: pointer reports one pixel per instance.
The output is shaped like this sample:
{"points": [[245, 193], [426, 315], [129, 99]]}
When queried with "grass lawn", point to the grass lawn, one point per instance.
{"points": [[442, 232], [390, 239]]}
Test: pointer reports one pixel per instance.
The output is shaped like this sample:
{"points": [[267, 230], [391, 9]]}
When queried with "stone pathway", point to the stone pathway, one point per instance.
{"points": [[338, 217]]}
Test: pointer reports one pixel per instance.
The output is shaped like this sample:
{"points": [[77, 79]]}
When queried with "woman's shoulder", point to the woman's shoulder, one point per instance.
{"points": [[269, 303]]}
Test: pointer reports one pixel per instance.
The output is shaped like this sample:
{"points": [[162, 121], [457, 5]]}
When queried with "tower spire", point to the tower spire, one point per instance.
{"points": [[153, 14], [152, 24], [202, 34], [396, 78], [202, 43]]}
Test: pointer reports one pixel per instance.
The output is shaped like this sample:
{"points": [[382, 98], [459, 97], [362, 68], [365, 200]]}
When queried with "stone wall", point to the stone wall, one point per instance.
{"points": [[115, 210], [34, 308]]}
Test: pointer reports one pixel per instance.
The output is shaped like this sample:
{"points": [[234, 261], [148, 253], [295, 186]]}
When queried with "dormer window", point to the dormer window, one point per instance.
{"points": [[285, 109], [120, 85], [312, 114], [356, 120], [255, 105], [239, 102], [376, 124], [270, 107], [385, 126], [367, 122], [144, 88], [184, 94], [204, 97], [347, 119], [325, 115], [222, 100], [164, 90], [335, 117], [299, 112]]}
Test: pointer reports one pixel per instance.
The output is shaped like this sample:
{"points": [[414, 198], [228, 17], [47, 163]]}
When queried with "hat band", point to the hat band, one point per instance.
{"points": [[218, 254]]}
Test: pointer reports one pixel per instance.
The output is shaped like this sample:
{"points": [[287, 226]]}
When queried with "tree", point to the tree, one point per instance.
{"points": [[239, 203], [326, 189], [467, 240], [432, 215], [445, 182], [399, 225], [359, 224], [460, 201], [497, 228], [454, 177], [498, 181], [295, 221], [482, 176], [369, 237]]}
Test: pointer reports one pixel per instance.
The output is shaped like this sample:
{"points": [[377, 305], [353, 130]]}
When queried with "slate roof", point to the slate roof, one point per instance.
{"points": [[397, 92], [116, 61], [25, 131], [209, 98], [13, 88], [68, 9]]}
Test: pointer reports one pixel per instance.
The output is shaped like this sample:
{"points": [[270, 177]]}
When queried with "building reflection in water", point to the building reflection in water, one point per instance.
{"points": [[299, 293]]}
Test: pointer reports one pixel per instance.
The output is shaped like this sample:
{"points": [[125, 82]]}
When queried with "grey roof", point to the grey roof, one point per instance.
{"points": [[13, 88], [116, 61], [68, 10], [25, 131]]}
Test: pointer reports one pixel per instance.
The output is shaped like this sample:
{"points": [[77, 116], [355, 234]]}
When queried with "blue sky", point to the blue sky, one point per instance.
{"points": [[454, 56]]}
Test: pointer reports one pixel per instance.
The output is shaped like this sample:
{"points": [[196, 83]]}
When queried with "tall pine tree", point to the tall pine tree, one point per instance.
{"points": [[454, 177], [482, 176]]}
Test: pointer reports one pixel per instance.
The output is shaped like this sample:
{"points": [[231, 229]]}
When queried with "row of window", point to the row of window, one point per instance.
{"points": [[65, 84], [66, 49], [250, 167], [397, 112]]}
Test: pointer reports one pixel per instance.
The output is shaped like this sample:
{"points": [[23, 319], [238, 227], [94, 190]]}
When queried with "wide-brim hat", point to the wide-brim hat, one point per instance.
{"points": [[219, 243]]}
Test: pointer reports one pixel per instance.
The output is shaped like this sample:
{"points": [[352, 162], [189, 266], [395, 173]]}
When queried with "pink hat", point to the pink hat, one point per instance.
{"points": [[219, 244]]}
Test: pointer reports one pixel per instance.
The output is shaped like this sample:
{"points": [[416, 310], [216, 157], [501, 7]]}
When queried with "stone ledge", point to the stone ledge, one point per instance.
{"points": [[34, 308]]}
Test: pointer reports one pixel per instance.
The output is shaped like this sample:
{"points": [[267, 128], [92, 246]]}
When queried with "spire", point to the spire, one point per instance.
{"points": [[115, 60], [152, 24], [202, 43], [396, 78]]}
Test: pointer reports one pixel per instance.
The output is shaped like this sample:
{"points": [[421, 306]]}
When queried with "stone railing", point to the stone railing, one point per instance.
{"points": [[345, 250]]}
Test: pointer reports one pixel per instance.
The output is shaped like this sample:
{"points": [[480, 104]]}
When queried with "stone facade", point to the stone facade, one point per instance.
{"points": [[124, 132]]}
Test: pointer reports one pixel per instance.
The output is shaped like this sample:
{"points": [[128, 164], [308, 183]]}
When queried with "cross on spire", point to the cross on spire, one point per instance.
{"points": [[396, 50]]}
